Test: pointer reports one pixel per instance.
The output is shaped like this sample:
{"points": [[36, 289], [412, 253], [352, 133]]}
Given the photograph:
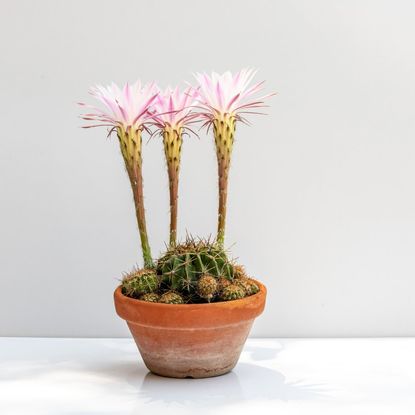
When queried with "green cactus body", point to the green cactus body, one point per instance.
{"points": [[171, 297], [232, 292], [181, 267], [207, 287], [150, 297], [140, 282], [248, 285]]}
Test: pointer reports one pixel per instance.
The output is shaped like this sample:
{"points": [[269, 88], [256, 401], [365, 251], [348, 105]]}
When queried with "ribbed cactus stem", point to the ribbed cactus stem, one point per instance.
{"points": [[224, 132], [172, 140], [130, 144]]}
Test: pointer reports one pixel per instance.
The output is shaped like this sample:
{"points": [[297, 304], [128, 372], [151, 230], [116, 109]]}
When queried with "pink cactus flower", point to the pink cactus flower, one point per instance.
{"points": [[227, 94], [123, 107], [174, 108]]}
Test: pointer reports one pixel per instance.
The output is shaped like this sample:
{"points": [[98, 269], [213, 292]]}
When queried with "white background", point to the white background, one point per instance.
{"points": [[321, 203]]}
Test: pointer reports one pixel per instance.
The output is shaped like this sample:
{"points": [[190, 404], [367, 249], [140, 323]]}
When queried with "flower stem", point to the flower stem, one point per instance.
{"points": [[130, 144], [172, 140], [224, 132]]}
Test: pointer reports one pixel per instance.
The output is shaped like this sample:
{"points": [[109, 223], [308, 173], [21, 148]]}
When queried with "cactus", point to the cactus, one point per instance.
{"points": [[150, 297], [239, 271], [232, 292], [139, 282], [207, 287], [248, 285], [223, 283], [182, 266], [171, 297]]}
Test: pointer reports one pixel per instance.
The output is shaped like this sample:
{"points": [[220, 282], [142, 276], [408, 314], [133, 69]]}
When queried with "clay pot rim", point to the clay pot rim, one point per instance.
{"points": [[217, 304]]}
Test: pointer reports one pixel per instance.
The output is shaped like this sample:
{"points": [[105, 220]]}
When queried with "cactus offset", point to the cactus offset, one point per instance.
{"points": [[207, 287], [248, 285], [239, 271], [139, 282], [223, 283], [150, 297], [232, 292], [171, 297]]}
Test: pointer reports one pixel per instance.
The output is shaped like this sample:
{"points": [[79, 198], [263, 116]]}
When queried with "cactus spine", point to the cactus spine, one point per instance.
{"points": [[224, 131], [130, 144], [172, 140]]}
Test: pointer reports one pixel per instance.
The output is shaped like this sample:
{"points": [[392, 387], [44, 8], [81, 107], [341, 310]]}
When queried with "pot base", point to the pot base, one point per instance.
{"points": [[190, 353]]}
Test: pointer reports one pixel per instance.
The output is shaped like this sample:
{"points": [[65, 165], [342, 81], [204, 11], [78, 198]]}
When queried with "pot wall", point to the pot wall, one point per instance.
{"points": [[190, 340]]}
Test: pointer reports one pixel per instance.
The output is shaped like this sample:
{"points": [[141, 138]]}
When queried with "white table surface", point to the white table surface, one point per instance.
{"points": [[284, 376]]}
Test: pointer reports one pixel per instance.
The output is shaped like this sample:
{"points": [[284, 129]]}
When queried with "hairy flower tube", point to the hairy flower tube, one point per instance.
{"points": [[223, 100], [127, 111], [173, 116]]}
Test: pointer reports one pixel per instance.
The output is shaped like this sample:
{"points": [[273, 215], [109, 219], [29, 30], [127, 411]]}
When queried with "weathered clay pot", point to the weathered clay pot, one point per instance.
{"points": [[190, 340]]}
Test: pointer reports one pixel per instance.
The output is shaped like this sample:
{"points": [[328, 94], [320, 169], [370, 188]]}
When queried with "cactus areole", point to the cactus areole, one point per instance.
{"points": [[191, 309]]}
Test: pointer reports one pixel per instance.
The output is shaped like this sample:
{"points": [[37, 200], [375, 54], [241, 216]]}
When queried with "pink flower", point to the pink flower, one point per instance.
{"points": [[174, 108], [228, 94], [126, 107]]}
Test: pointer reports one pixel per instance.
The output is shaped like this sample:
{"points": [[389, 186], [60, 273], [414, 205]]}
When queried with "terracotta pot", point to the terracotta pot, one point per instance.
{"points": [[190, 340]]}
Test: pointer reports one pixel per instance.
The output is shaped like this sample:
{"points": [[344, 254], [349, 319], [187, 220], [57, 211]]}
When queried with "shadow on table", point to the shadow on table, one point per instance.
{"points": [[246, 383]]}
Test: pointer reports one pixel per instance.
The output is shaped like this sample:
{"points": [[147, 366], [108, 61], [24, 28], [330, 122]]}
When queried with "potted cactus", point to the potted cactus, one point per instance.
{"points": [[191, 309]]}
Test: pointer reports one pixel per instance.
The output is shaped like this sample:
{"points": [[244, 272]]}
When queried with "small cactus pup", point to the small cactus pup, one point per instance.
{"points": [[127, 112], [207, 287], [150, 297], [249, 285], [173, 116], [171, 297], [223, 283], [138, 282], [239, 271], [232, 292], [181, 267], [225, 99]]}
